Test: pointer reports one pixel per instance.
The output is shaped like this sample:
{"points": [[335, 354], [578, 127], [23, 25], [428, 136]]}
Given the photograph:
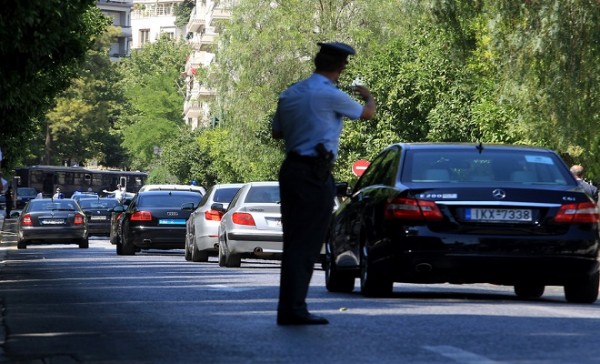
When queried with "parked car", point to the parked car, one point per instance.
{"points": [[98, 212], [24, 194], [251, 225], [154, 220], [202, 228], [48, 221], [462, 213]]}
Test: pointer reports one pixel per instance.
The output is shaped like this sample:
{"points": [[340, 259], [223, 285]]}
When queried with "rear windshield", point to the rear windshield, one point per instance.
{"points": [[513, 166], [46, 205], [262, 194], [225, 195], [98, 204], [168, 200]]}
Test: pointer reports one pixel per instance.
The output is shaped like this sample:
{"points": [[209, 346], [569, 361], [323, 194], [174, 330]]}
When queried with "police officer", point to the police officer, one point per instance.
{"points": [[309, 119]]}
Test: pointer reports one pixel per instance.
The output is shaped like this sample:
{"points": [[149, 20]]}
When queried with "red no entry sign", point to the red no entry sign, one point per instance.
{"points": [[358, 167]]}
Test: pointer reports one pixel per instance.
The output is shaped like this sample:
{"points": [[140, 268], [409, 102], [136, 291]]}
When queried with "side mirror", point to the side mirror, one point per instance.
{"points": [[15, 214], [342, 189], [218, 207], [118, 209]]}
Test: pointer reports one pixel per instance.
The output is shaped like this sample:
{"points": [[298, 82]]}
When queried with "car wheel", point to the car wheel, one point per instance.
{"points": [[233, 261], [197, 255], [188, 254], [228, 260], [21, 244], [529, 291], [584, 290], [127, 248], [372, 284], [335, 280], [222, 256], [84, 243]]}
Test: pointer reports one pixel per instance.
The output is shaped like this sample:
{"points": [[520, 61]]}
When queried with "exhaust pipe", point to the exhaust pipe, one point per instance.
{"points": [[147, 241], [216, 246], [423, 267], [258, 250]]}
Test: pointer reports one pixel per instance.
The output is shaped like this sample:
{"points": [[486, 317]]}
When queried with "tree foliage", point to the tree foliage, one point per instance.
{"points": [[153, 86], [459, 70], [42, 43], [81, 121]]}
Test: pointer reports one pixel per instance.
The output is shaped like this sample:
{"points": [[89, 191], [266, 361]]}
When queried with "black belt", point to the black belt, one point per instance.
{"points": [[303, 158]]}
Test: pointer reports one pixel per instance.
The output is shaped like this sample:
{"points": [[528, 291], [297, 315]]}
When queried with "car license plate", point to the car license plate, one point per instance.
{"points": [[499, 215], [52, 222], [97, 218], [171, 222], [273, 222]]}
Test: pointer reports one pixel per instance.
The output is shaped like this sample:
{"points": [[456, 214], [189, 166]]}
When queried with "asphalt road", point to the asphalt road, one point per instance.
{"points": [[61, 304]]}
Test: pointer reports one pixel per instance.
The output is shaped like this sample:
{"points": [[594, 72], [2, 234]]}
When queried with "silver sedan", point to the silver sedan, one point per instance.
{"points": [[251, 226], [202, 227]]}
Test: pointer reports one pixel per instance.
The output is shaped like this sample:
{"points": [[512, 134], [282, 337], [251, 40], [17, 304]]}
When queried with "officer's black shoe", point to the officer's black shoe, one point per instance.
{"points": [[307, 319]]}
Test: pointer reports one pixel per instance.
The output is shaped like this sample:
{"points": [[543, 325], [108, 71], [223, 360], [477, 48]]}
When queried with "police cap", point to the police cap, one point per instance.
{"points": [[337, 49]]}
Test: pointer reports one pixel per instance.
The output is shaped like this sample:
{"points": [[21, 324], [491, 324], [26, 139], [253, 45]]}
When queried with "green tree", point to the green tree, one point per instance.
{"points": [[42, 43], [155, 93], [81, 122]]}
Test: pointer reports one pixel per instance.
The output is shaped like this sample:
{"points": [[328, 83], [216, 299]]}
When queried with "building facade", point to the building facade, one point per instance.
{"points": [[120, 12], [151, 18], [202, 30]]}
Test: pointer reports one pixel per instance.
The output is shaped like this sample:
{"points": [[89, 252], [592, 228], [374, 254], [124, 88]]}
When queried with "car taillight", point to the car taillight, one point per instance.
{"points": [[412, 209], [242, 218], [141, 216], [213, 215], [78, 220], [584, 212], [26, 221]]}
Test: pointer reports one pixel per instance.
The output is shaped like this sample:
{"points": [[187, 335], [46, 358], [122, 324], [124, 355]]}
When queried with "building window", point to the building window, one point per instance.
{"points": [[144, 37]]}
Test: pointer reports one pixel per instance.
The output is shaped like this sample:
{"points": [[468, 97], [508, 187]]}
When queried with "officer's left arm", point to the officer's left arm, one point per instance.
{"points": [[276, 131]]}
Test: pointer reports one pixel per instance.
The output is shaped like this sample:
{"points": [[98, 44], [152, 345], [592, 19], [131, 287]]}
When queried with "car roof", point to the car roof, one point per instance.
{"points": [[262, 183], [466, 146], [167, 192], [172, 187]]}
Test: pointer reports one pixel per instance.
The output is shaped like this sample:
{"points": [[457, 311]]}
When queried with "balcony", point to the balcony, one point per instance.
{"points": [[197, 20], [192, 109]]}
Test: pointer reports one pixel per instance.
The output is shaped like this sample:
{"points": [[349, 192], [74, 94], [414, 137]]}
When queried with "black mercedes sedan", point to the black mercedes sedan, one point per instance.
{"points": [[466, 213], [98, 212], [154, 220], [49, 221]]}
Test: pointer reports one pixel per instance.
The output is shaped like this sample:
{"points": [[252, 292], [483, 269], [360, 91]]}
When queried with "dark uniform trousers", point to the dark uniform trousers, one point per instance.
{"points": [[307, 192]]}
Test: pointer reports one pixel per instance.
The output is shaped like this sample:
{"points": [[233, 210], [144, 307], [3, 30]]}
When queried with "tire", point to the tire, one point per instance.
{"points": [[84, 243], [529, 291], [335, 280], [584, 290], [372, 284], [233, 261], [229, 260], [21, 244], [126, 247], [188, 254], [197, 255]]}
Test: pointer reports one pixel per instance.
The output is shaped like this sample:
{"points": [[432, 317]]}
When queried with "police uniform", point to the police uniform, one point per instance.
{"points": [[309, 115]]}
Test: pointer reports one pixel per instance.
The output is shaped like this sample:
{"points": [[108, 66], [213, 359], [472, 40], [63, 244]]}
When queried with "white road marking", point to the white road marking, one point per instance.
{"points": [[459, 355]]}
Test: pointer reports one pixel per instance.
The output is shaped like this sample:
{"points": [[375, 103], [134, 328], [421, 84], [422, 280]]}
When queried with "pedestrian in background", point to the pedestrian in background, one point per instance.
{"points": [[590, 189], [58, 195], [309, 120], [8, 195]]}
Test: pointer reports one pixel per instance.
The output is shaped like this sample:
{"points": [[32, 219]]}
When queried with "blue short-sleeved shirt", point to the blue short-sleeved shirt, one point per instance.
{"points": [[310, 112]]}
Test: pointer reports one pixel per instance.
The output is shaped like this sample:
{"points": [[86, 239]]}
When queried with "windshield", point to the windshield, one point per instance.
{"points": [[513, 166]]}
